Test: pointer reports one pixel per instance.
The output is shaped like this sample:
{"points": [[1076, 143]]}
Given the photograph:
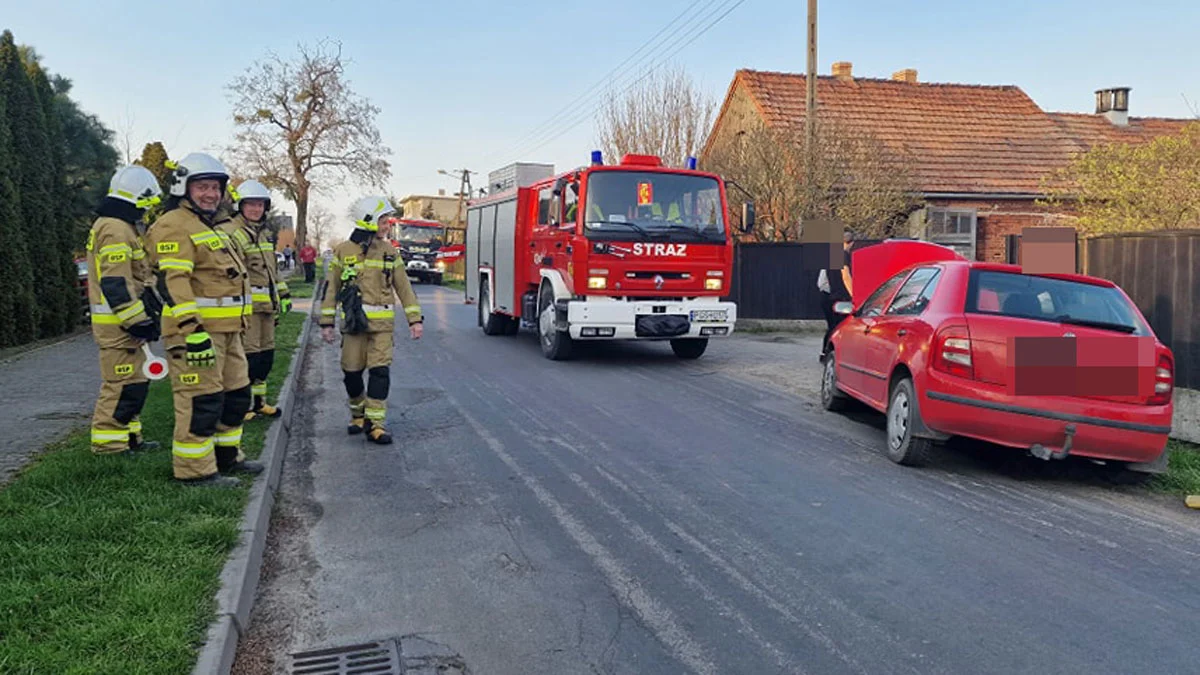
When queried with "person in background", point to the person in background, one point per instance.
{"points": [[836, 285], [308, 258], [288, 257]]}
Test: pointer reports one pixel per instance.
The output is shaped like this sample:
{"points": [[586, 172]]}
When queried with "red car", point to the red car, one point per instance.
{"points": [[1056, 364]]}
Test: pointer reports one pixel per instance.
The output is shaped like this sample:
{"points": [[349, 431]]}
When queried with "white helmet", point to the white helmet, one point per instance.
{"points": [[251, 189], [369, 210], [196, 165], [136, 185]]}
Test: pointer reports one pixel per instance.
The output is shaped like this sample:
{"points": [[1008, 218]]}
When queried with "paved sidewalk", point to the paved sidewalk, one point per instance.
{"points": [[45, 393]]}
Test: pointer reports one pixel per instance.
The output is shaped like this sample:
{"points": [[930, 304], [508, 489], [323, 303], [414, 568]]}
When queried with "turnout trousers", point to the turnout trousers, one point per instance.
{"points": [[122, 395], [210, 408], [370, 352], [260, 354]]}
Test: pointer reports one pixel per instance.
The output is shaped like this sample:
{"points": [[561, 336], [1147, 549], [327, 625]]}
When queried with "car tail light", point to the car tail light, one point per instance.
{"points": [[952, 352], [1164, 381]]}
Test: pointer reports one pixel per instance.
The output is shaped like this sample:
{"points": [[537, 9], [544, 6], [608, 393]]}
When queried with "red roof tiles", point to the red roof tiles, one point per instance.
{"points": [[963, 138]]}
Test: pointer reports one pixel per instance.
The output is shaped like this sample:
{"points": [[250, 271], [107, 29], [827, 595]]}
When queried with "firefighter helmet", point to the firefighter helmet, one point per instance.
{"points": [[194, 166], [251, 189], [368, 211], [136, 185]]}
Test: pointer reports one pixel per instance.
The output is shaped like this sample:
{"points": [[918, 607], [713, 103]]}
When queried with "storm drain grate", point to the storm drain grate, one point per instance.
{"points": [[369, 658]]}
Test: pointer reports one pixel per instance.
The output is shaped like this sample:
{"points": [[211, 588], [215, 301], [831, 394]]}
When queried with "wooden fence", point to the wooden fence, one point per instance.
{"points": [[779, 280], [1159, 272]]}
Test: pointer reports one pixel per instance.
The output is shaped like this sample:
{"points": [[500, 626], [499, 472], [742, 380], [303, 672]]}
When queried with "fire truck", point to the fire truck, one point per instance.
{"points": [[628, 251], [418, 242]]}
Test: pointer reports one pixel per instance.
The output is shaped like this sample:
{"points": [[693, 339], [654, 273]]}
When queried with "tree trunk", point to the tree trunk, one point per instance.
{"points": [[301, 217]]}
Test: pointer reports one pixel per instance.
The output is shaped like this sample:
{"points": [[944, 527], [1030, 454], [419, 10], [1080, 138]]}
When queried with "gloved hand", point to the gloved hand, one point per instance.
{"points": [[200, 353], [146, 331], [285, 305]]}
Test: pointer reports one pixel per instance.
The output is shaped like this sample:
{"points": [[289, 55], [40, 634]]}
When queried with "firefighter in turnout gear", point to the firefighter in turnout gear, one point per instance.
{"points": [[206, 297], [124, 316], [250, 239], [366, 277]]}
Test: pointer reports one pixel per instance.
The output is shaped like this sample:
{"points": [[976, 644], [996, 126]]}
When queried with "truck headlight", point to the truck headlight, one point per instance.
{"points": [[597, 283], [712, 284]]}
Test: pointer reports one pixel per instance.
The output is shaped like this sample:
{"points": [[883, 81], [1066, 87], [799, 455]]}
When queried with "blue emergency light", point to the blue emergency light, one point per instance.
{"points": [[691, 163], [597, 158]]}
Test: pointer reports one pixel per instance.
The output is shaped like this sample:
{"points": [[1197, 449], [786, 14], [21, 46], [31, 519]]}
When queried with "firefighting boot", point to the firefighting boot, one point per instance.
{"points": [[249, 416], [227, 461], [267, 410], [378, 435], [212, 480], [357, 426], [136, 444]]}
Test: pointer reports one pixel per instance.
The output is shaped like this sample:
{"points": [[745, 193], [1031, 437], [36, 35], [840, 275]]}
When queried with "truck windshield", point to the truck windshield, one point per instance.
{"points": [[649, 205], [420, 235]]}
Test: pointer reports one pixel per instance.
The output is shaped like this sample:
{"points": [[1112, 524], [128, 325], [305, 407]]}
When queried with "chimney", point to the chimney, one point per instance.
{"points": [[908, 75], [1114, 105], [441, 192], [842, 70]]}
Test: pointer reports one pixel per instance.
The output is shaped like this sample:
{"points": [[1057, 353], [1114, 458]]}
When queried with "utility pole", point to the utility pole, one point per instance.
{"points": [[810, 109], [464, 183]]}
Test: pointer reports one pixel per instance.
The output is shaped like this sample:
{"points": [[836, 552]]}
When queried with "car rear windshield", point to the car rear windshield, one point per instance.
{"points": [[1047, 299]]}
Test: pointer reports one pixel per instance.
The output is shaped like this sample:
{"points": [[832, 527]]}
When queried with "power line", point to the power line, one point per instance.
{"points": [[586, 112], [541, 128]]}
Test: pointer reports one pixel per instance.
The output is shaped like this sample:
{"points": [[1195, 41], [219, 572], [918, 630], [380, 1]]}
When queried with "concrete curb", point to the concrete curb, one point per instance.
{"points": [[780, 325], [239, 578]]}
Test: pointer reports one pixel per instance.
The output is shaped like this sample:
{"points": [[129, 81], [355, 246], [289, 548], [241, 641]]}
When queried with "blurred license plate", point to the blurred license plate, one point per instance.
{"points": [[710, 315]]}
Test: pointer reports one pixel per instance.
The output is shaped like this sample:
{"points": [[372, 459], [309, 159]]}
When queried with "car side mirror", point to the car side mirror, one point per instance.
{"points": [[747, 217], [843, 307]]}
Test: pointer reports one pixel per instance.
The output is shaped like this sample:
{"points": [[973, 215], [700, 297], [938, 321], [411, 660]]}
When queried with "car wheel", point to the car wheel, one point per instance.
{"points": [[902, 417], [832, 398], [556, 344], [690, 348]]}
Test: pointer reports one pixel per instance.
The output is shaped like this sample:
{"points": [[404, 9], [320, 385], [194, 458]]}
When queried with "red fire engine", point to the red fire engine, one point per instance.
{"points": [[634, 250]]}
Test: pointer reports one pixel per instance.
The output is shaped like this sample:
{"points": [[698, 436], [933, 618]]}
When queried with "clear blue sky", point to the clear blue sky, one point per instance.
{"points": [[462, 82]]}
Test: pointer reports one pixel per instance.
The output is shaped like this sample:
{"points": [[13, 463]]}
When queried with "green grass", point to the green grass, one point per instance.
{"points": [[300, 288], [106, 565], [456, 284], [1183, 475]]}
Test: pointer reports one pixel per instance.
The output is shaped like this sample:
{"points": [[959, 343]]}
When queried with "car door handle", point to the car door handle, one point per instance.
{"points": [[902, 331]]}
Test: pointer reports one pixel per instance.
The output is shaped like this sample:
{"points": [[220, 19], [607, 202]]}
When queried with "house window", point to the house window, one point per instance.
{"points": [[947, 222], [955, 228]]}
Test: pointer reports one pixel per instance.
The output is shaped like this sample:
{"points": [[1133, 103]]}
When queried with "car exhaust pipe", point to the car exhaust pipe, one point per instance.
{"points": [[1042, 452]]}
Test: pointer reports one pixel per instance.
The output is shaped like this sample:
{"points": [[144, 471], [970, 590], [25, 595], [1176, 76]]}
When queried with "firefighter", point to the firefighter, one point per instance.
{"points": [[365, 278], [118, 277], [205, 292], [251, 240]]}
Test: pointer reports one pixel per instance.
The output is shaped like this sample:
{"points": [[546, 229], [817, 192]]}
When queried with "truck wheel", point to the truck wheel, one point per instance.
{"points": [[491, 323], [902, 417], [689, 348], [556, 344]]}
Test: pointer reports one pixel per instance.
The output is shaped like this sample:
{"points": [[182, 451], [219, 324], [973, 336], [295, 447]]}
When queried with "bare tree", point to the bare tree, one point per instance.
{"points": [[320, 226], [301, 128], [856, 179], [665, 114], [125, 136]]}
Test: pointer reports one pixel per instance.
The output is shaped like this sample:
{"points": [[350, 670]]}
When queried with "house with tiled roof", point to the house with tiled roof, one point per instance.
{"points": [[980, 153]]}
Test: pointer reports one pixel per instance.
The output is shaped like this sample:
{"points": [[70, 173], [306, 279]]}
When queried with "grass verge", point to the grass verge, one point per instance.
{"points": [[300, 289], [106, 566], [456, 284], [1183, 475]]}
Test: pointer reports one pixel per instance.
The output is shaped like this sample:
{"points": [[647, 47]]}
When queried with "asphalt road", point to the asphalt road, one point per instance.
{"points": [[629, 512]]}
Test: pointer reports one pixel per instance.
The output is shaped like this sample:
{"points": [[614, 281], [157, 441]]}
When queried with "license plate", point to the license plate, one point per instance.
{"points": [[710, 315]]}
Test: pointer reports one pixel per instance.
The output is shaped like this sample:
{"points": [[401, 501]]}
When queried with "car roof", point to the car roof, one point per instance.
{"points": [[1017, 269]]}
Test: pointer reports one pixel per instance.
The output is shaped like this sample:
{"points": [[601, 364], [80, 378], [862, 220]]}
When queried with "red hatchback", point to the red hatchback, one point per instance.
{"points": [[1056, 364]]}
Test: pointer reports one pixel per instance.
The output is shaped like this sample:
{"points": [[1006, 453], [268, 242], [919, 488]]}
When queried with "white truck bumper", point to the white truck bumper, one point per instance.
{"points": [[616, 319]]}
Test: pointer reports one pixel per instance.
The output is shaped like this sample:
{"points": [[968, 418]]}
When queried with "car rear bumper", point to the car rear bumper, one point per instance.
{"points": [[634, 319], [1113, 431]]}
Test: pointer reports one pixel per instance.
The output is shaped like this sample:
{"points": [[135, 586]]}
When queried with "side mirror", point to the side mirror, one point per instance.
{"points": [[843, 307], [559, 185], [747, 216]]}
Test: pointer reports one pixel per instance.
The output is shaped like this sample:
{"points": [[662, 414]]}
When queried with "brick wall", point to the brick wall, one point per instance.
{"points": [[999, 218]]}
